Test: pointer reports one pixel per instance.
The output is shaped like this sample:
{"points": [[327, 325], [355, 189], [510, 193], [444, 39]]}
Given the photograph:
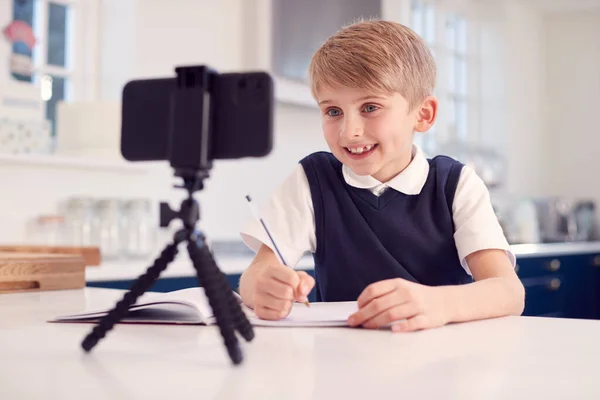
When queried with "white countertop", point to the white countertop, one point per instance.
{"points": [[182, 267], [507, 358], [555, 249]]}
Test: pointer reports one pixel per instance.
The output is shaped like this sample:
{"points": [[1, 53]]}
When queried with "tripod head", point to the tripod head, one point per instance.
{"points": [[189, 212]]}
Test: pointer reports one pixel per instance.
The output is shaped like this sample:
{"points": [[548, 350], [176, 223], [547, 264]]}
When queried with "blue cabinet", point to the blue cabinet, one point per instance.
{"points": [[561, 286], [594, 297]]}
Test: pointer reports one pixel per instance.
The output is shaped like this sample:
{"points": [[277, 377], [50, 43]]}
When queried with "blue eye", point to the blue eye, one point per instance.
{"points": [[333, 112], [370, 108]]}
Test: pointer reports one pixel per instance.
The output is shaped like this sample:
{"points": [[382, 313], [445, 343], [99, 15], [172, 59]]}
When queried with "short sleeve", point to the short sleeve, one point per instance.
{"points": [[289, 215], [476, 224]]}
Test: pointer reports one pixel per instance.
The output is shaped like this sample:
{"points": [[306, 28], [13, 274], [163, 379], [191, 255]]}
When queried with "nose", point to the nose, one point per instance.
{"points": [[352, 128]]}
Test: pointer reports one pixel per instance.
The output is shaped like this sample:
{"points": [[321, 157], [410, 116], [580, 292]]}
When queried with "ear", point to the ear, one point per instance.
{"points": [[426, 114]]}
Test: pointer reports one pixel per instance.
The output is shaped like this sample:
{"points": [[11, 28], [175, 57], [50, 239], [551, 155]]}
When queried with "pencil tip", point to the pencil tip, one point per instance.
{"points": [[248, 197]]}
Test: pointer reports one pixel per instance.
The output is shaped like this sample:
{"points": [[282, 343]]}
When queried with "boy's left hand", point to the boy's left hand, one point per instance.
{"points": [[407, 305]]}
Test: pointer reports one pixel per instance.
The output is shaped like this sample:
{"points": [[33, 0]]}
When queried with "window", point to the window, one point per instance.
{"points": [[53, 57], [446, 34], [423, 22], [457, 76]]}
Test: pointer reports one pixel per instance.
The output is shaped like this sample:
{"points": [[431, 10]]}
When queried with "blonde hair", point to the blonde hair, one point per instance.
{"points": [[379, 56]]}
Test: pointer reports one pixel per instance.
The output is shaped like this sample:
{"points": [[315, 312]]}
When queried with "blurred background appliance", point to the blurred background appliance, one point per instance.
{"points": [[564, 219]]}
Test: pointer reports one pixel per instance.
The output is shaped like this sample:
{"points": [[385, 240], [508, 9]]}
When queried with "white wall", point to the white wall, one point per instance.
{"points": [[513, 89], [117, 42], [148, 38], [525, 66], [188, 32], [573, 82]]}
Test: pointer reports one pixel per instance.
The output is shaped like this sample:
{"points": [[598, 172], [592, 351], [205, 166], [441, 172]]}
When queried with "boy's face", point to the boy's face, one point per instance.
{"points": [[372, 133]]}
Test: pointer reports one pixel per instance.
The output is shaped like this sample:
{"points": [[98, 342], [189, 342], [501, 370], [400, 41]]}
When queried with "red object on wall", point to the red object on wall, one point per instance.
{"points": [[20, 31]]}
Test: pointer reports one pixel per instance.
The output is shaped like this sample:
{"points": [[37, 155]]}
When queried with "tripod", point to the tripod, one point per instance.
{"points": [[226, 309]]}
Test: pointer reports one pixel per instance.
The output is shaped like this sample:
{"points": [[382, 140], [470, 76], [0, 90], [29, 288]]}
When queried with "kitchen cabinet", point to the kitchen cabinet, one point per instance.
{"points": [[561, 286], [594, 296]]}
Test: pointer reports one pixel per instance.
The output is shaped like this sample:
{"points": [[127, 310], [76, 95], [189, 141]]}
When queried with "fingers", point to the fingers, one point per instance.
{"points": [[285, 275], [382, 311], [270, 314], [274, 303], [393, 314], [280, 282], [375, 290], [277, 289], [416, 323], [306, 284], [268, 306]]}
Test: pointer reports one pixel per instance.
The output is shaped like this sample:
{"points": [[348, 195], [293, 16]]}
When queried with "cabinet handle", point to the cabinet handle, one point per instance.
{"points": [[554, 265], [554, 284], [596, 261]]}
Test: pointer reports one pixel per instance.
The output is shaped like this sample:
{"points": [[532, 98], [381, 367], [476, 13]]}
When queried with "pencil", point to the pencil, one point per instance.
{"points": [[264, 225]]}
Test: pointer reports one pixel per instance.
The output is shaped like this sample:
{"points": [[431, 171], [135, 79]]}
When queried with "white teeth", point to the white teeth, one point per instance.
{"points": [[360, 150]]}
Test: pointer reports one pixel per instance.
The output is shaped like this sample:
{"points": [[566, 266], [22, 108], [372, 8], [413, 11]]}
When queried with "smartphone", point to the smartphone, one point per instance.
{"points": [[239, 109]]}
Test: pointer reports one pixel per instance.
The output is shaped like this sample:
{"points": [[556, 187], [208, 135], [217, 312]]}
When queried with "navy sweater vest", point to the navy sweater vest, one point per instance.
{"points": [[363, 238]]}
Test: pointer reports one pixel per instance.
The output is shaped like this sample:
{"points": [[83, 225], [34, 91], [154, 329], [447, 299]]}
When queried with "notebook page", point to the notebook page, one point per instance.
{"points": [[318, 314]]}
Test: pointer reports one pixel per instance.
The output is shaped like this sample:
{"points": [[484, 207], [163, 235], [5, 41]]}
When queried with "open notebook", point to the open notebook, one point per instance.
{"points": [[190, 307]]}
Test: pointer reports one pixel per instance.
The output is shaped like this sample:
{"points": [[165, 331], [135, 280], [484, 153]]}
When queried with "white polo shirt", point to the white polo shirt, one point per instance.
{"points": [[290, 217]]}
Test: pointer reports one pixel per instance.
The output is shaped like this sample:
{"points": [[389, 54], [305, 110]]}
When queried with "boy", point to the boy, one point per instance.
{"points": [[414, 241]]}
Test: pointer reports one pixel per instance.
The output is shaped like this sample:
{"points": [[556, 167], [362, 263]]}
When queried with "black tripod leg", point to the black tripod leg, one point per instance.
{"points": [[209, 277], [240, 321], [138, 288]]}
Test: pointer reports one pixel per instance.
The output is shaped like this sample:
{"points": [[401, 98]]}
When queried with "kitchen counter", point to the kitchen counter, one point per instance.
{"points": [[555, 249], [503, 358], [236, 264]]}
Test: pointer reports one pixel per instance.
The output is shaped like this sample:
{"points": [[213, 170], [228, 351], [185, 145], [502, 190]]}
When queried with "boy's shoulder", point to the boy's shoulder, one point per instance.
{"points": [[444, 163], [443, 159]]}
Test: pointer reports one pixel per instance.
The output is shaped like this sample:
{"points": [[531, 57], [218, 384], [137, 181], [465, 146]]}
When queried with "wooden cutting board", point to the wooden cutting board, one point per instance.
{"points": [[40, 271], [91, 255]]}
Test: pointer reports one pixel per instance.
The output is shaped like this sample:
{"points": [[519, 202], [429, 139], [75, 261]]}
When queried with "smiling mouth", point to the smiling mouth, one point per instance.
{"points": [[361, 150]]}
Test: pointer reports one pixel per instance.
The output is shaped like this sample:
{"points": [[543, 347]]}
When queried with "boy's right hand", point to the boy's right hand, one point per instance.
{"points": [[277, 288]]}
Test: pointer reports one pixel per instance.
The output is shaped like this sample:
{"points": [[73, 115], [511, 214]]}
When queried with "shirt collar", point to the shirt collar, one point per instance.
{"points": [[410, 181]]}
